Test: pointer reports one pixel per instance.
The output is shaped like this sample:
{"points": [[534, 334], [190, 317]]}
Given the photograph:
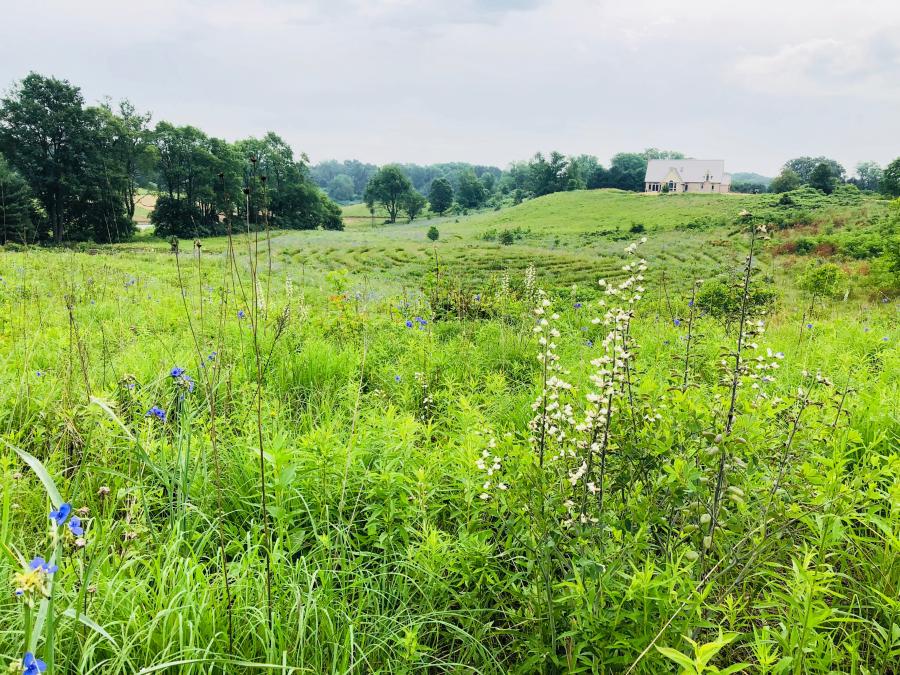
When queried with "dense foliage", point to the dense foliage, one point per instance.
{"points": [[306, 469], [84, 165]]}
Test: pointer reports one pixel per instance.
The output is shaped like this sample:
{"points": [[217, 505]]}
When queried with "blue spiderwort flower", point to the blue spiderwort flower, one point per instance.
{"points": [[212, 356], [157, 412], [39, 563], [75, 526], [61, 514], [32, 665], [40, 373], [241, 314], [690, 303], [809, 325], [177, 371], [408, 323], [396, 378], [677, 322], [577, 305]]}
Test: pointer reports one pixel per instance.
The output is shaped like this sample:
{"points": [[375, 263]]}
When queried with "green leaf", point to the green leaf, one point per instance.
{"points": [[681, 659], [112, 415], [41, 472], [736, 668], [90, 623]]}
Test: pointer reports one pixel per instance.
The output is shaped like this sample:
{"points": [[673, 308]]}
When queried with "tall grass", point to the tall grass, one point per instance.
{"points": [[304, 509]]}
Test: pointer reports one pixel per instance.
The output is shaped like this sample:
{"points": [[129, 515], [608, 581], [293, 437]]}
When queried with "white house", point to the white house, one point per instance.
{"points": [[687, 175]]}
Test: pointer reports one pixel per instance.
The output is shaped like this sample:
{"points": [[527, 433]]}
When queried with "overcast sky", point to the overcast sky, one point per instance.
{"points": [[489, 81]]}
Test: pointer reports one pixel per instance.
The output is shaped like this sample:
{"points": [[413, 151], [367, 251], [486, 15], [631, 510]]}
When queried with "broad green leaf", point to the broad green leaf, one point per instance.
{"points": [[90, 623], [681, 659], [41, 472]]}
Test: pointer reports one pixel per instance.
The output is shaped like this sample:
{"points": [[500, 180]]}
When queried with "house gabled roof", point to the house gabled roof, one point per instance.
{"points": [[690, 170]]}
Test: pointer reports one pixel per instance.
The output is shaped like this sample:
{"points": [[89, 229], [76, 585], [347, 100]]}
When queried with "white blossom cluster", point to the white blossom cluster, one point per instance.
{"points": [[491, 464], [552, 418]]}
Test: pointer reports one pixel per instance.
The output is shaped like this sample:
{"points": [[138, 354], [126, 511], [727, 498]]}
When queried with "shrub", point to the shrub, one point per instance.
{"points": [[824, 279], [433, 233]]}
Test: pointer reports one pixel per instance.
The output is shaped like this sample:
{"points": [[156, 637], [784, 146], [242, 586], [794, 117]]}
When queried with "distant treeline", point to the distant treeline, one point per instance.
{"points": [[71, 172], [542, 174], [347, 181]]}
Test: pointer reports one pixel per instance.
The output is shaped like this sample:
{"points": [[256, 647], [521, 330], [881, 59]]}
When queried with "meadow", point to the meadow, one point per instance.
{"points": [[363, 451]]}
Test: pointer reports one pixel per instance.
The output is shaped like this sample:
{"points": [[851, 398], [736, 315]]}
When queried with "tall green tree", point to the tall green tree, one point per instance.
{"points": [[441, 195], [62, 149], [16, 218], [388, 187], [413, 204], [804, 167], [469, 190], [868, 176], [823, 178], [890, 181], [786, 181]]}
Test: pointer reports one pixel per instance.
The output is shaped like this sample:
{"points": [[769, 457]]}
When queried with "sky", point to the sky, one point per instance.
{"points": [[488, 81]]}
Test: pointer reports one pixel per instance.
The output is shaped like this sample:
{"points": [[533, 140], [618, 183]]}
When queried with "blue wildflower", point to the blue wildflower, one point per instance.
{"points": [[75, 526], [212, 356], [478, 297], [396, 378], [39, 563], [577, 305], [408, 323], [32, 665], [61, 514], [177, 371], [40, 373], [188, 382], [677, 322], [157, 412], [241, 314], [690, 303], [884, 339], [589, 343], [809, 325]]}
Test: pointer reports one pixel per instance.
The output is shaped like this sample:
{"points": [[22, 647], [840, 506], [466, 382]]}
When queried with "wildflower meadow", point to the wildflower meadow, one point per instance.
{"points": [[672, 451]]}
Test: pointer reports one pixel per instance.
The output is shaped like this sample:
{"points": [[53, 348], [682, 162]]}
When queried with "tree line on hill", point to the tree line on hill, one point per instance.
{"points": [[403, 188], [71, 172], [400, 188], [826, 174]]}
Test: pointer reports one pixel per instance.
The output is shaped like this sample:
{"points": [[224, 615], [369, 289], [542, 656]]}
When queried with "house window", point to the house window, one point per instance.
{"points": [[671, 184]]}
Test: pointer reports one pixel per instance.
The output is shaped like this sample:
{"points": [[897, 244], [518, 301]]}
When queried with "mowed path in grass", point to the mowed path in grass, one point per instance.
{"points": [[570, 237]]}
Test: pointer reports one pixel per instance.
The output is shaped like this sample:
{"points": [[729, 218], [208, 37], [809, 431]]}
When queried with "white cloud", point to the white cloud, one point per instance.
{"points": [[865, 66], [487, 80]]}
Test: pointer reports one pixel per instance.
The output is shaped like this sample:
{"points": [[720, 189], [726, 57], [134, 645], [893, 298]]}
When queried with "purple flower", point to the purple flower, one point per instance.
{"points": [[32, 665], [39, 563], [408, 323], [677, 322], [157, 412], [75, 526], [177, 371], [809, 325], [61, 514], [577, 305]]}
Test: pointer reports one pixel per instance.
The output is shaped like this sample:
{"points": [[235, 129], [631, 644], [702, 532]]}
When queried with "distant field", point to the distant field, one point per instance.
{"points": [[570, 237]]}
